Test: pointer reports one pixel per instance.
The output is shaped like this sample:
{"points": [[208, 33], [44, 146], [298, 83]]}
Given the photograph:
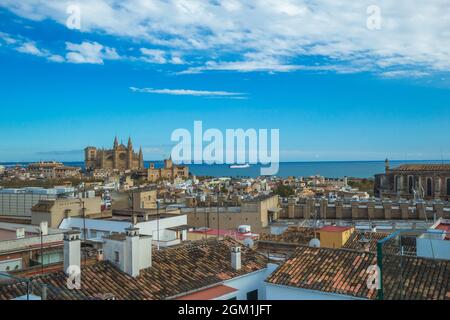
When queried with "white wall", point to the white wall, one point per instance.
{"points": [[150, 227], [277, 292], [249, 282], [104, 227], [109, 247]]}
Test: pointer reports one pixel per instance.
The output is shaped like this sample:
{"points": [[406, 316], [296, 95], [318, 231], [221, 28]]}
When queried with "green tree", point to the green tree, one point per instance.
{"points": [[284, 191]]}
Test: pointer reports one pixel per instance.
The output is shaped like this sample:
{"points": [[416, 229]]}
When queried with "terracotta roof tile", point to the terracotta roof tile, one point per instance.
{"points": [[343, 271], [175, 271]]}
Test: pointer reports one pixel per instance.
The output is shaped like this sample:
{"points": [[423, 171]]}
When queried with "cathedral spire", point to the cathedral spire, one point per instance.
{"points": [[116, 142], [141, 159], [130, 144]]}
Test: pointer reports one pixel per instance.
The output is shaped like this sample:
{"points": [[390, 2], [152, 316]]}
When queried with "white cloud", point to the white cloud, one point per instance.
{"points": [[56, 58], [404, 74], [7, 38], [89, 52], [158, 56], [30, 48], [153, 56], [268, 35], [176, 59], [188, 92]]}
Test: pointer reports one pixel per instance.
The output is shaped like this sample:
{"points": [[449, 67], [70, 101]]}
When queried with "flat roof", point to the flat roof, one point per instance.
{"points": [[7, 234], [210, 293], [334, 228], [180, 228]]}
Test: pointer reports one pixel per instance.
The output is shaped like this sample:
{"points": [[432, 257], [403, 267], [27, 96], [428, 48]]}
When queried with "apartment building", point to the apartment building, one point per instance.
{"points": [[17, 203], [23, 246]]}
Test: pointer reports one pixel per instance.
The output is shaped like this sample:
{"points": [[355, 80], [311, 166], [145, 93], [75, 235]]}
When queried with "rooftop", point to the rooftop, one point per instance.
{"points": [[342, 271], [334, 228], [176, 271], [358, 240], [444, 226], [224, 232], [8, 234], [423, 167], [210, 293]]}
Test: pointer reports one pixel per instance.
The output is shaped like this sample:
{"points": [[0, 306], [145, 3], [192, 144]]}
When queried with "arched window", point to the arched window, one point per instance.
{"points": [[429, 187], [448, 186], [410, 184], [398, 186]]}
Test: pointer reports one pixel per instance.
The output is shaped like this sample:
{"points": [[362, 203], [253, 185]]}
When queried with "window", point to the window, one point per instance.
{"points": [[397, 183], [116, 256], [448, 186], [410, 184], [252, 295], [429, 187]]}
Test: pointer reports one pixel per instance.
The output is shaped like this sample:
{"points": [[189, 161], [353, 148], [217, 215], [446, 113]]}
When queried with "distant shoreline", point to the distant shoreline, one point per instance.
{"points": [[300, 161], [329, 169]]}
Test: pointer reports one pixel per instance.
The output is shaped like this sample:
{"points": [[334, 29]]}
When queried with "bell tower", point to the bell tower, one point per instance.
{"points": [[129, 154]]}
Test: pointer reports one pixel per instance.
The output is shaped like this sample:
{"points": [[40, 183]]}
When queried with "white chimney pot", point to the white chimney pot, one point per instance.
{"points": [[72, 248], [236, 262]]}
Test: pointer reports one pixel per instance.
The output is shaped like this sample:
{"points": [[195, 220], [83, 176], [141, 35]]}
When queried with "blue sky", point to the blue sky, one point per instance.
{"points": [[342, 92]]}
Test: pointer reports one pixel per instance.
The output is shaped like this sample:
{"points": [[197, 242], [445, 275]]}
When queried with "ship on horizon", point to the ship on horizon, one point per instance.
{"points": [[240, 166]]}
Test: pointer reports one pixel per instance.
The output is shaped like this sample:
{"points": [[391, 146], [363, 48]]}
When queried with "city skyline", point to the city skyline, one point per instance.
{"points": [[64, 89]]}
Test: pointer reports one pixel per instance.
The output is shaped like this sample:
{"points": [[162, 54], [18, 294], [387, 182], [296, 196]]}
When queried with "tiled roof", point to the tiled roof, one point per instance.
{"points": [[334, 228], [358, 240], [297, 235], [423, 167], [210, 293], [414, 278], [343, 271], [175, 271], [327, 270]]}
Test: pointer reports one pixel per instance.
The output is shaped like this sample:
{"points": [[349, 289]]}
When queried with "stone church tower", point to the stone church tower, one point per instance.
{"points": [[120, 157]]}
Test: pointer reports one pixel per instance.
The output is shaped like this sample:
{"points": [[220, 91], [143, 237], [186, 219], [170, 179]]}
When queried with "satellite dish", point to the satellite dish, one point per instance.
{"points": [[314, 243]]}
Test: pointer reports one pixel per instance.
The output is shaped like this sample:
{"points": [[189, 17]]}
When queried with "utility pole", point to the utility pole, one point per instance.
{"points": [[84, 232], [84, 223], [157, 223], [218, 232], [42, 249]]}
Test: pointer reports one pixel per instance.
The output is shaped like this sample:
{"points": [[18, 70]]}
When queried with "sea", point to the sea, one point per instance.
{"points": [[329, 169]]}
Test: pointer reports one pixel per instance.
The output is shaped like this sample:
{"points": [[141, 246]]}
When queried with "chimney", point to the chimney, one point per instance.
{"points": [[20, 233], [236, 257], [132, 251], [43, 227], [72, 247], [131, 254]]}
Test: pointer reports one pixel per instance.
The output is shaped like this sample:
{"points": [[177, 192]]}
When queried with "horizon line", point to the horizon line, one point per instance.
{"points": [[292, 161]]}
